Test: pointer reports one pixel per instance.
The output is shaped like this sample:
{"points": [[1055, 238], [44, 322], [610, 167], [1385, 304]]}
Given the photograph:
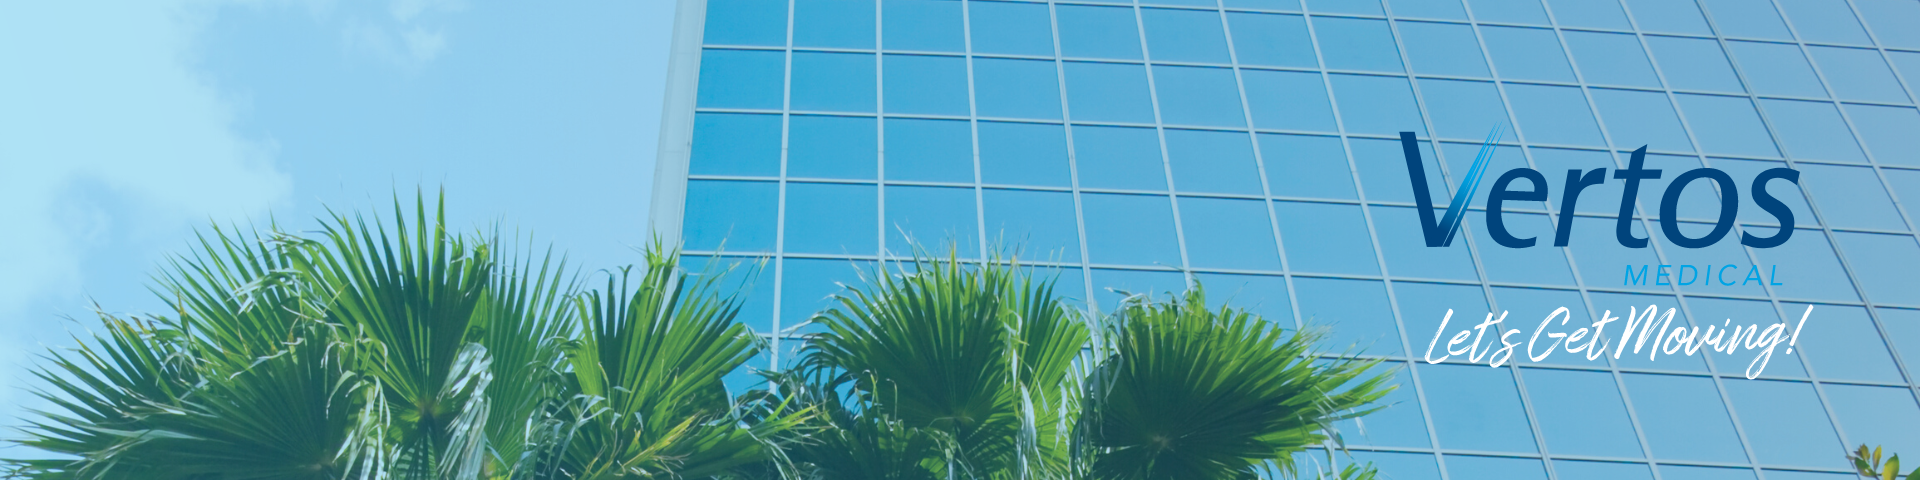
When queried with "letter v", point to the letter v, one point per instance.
{"points": [[1440, 233]]}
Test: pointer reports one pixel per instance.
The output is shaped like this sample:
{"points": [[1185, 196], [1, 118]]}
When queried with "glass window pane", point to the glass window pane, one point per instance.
{"points": [[1360, 321], [1463, 110], [1467, 466], [807, 286], [1888, 133], [1526, 308], [1119, 157], [833, 82], [1903, 331], [926, 84], [1442, 9], [1184, 35], [1727, 125], [1787, 192], [1098, 32], [1400, 423], [1443, 49], [1611, 59], [1824, 21], [1706, 473], [1408, 255], [926, 25], [1638, 118], [1845, 345], [1815, 272], [1555, 162], [1069, 283], [1785, 424], [1326, 238], [832, 218], [1110, 287], [740, 79], [1527, 54], [1358, 7], [1907, 63], [1357, 44], [1504, 158], [1581, 413], [1377, 105], [1262, 295], [1424, 305], [929, 150], [748, 280], [1891, 21], [1040, 224], [1776, 69], [1858, 74], [1593, 243], [1198, 96], [1590, 14], [1476, 408], [1011, 28], [1509, 11], [747, 22], [1228, 234], [1557, 115], [1885, 265], [1288, 100], [936, 219], [1694, 64], [1023, 154], [1668, 16], [1622, 306], [1130, 230], [735, 216], [1684, 419], [833, 23], [1402, 466], [1107, 92], [1725, 313], [833, 147], [1696, 201], [1016, 88], [1578, 470], [1382, 166], [735, 144], [1883, 416], [1212, 162], [1283, 5], [1305, 166], [1850, 197], [1271, 40], [1705, 269], [1541, 263], [1747, 18]]}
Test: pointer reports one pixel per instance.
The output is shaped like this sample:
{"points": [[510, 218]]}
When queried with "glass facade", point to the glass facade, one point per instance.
{"points": [[1252, 145]]}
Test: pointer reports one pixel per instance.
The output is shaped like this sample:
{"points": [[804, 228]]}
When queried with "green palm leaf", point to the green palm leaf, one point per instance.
{"points": [[1189, 392], [955, 352]]}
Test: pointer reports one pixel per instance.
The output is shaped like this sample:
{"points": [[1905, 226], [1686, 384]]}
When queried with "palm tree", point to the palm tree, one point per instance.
{"points": [[945, 369], [371, 352]]}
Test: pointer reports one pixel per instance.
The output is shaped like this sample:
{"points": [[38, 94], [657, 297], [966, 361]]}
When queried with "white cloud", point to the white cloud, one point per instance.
{"points": [[99, 96]]}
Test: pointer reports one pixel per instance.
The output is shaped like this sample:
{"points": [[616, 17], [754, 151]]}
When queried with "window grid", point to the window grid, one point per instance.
{"points": [[1086, 265]]}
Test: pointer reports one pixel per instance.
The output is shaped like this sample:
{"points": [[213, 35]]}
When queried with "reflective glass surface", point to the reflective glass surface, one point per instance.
{"points": [[1254, 144]]}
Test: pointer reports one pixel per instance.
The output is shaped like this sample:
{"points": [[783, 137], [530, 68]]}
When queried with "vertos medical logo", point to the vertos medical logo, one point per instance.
{"points": [[1644, 330]]}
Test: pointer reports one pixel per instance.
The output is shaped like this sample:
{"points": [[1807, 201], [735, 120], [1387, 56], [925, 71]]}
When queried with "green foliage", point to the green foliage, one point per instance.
{"points": [[1184, 391], [1867, 463], [400, 350], [395, 349], [947, 369]]}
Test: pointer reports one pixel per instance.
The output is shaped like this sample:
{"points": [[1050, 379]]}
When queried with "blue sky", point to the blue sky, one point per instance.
{"points": [[125, 126]]}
